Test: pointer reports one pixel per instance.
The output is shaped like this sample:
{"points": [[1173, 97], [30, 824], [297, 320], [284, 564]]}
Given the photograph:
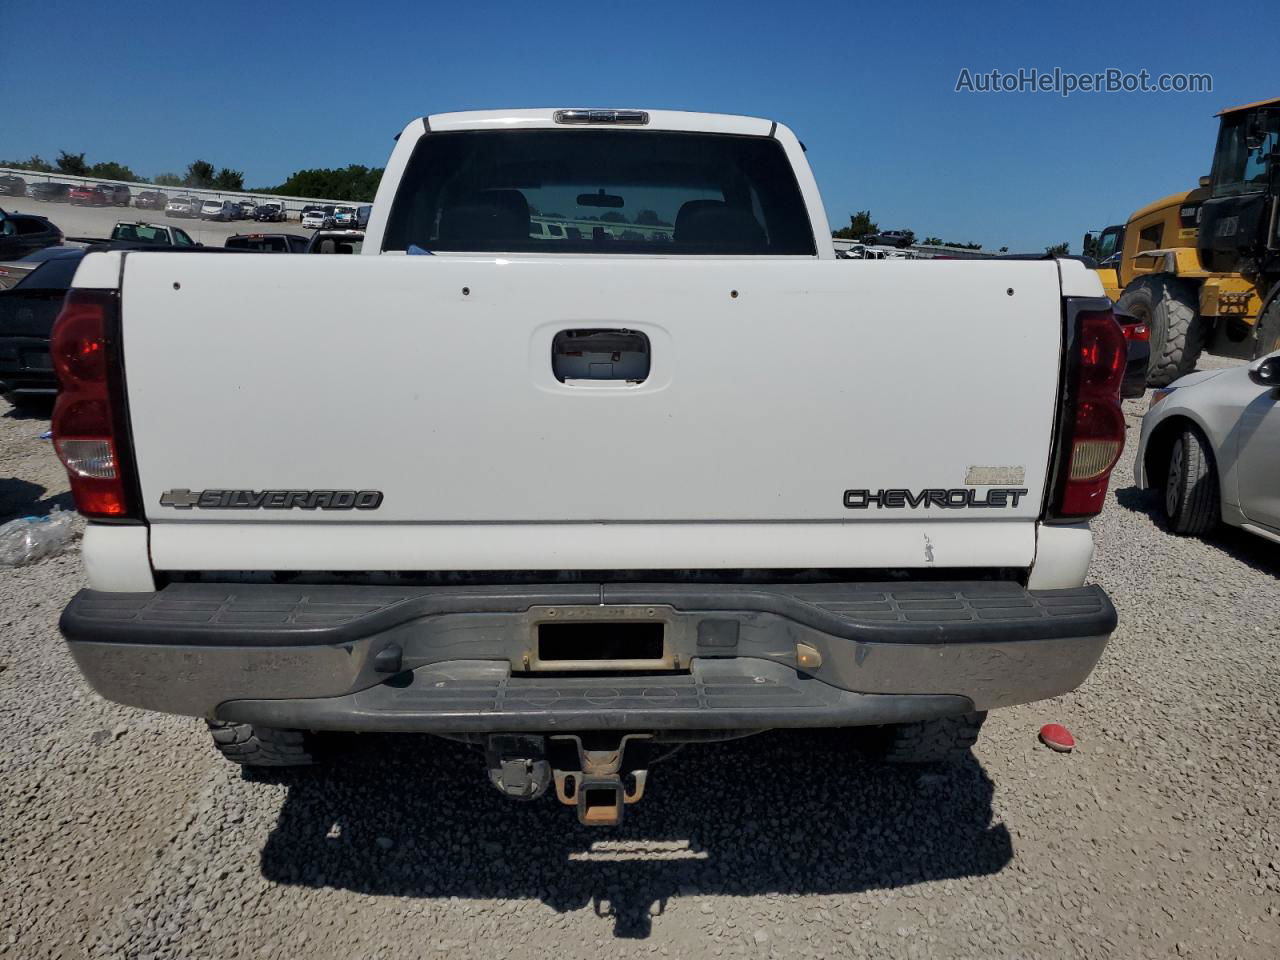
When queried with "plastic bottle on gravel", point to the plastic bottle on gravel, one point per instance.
{"points": [[29, 539]]}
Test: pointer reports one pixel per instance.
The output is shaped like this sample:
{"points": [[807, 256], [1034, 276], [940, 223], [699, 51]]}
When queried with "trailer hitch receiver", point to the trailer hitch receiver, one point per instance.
{"points": [[598, 774]]}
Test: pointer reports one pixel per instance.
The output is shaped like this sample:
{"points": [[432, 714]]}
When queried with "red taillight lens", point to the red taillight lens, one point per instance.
{"points": [[1136, 331], [1093, 429], [84, 427], [1104, 352]]}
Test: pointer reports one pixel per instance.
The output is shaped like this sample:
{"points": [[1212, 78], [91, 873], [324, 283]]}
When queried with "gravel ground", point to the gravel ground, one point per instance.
{"points": [[124, 835]]}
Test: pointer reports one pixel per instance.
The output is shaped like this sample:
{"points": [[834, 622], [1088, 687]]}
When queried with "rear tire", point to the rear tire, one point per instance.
{"points": [[254, 746], [1171, 308], [1191, 502], [942, 740]]}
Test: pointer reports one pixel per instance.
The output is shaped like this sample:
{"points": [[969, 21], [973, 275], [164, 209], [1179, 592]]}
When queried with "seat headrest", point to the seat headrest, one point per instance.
{"points": [[486, 218], [714, 223]]}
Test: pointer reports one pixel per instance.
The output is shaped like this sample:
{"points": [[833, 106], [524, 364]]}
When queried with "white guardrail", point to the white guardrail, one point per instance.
{"points": [[292, 205]]}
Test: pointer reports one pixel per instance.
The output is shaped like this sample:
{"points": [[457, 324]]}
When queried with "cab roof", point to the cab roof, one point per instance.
{"points": [[545, 118], [1248, 106]]}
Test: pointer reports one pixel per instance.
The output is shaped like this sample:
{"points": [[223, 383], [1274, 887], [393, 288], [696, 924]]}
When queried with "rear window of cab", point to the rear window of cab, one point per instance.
{"points": [[600, 191]]}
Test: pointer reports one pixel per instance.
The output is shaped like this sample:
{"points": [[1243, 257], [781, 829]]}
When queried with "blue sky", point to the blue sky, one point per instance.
{"points": [[269, 88]]}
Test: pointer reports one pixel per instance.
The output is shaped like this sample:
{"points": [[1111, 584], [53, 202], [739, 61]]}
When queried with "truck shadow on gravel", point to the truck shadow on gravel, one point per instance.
{"points": [[1254, 551], [36, 411], [414, 816], [22, 498]]}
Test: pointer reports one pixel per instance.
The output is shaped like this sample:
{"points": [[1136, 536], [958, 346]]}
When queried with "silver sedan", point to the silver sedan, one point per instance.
{"points": [[1211, 445]]}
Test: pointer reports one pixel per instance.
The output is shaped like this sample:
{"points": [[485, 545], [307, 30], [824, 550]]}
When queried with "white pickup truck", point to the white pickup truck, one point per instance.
{"points": [[651, 469]]}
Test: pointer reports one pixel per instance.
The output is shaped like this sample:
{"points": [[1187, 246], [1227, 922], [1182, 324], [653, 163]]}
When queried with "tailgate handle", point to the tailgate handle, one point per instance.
{"points": [[597, 354]]}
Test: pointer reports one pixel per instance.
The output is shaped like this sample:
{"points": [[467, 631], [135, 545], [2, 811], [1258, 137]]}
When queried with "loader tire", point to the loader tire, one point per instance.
{"points": [[942, 740], [254, 746], [1170, 307]]}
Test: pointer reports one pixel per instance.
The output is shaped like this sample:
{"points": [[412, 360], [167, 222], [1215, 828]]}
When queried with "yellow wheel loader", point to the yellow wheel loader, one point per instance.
{"points": [[1202, 268]]}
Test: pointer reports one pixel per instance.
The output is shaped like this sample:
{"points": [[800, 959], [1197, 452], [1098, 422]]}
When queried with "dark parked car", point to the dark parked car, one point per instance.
{"points": [[23, 233], [268, 242], [270, 212], [12, 271], [151, 200], [27, 313], [888, 238], [13, 186], [50, 192], [85, 195], [119, 194]]}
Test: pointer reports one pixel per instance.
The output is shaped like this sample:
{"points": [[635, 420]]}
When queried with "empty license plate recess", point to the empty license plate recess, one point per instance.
{"points": [[602, 639]]}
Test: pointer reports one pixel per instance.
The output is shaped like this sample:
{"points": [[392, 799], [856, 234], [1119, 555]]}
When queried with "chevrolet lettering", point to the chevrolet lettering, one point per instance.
{"points": [[956, 499]]}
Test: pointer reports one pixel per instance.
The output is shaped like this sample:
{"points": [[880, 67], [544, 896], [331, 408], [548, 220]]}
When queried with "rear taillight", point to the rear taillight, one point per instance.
{"points": [[86, 425], [1091, 429]]}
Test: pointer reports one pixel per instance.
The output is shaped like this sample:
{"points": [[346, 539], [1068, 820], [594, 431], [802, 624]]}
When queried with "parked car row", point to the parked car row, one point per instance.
{"points": [[80, 194], [319, 216], [219, 209]]}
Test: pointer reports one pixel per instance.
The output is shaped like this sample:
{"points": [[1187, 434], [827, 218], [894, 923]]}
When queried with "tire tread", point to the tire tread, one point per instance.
{"points": [[254, 746], [941, 740], [1199, 506], [1171, 307]]}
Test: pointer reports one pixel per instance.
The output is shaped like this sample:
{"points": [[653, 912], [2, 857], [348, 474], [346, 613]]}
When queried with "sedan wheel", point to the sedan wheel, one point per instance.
{"points": [[1191, 502]]}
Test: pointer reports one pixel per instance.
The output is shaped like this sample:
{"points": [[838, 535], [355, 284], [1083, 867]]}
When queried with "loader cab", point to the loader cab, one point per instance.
{"points": [[1105, 248], [1238, 221], [1106, 244]]}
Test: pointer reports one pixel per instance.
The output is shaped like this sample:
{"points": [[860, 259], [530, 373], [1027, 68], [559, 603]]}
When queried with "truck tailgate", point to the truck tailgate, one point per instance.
{"points": [[774, 388]]}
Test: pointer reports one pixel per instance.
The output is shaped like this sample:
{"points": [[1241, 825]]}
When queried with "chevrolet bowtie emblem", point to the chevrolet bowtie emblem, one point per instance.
{"points": [[182, 499]]}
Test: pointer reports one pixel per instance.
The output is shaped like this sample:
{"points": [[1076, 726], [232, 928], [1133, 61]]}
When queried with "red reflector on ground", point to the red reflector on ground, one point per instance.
{"points": [[1057, 737]]}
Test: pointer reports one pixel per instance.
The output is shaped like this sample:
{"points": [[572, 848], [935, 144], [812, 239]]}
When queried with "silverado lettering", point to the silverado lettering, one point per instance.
{"points": [[956, 499], [184, 499]]}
